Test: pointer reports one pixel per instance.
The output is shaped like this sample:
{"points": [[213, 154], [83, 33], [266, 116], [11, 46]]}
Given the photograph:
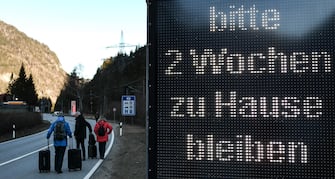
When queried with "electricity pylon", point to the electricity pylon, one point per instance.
{"points": [[122, 45]]}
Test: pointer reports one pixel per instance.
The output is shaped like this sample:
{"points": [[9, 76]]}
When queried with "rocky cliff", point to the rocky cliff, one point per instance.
{"points": [[16, 48]]}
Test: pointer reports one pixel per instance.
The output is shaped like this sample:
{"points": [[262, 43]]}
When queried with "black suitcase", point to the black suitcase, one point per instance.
{"points": [[92, 151], [74, 159], [91, 139], [44, 160]]}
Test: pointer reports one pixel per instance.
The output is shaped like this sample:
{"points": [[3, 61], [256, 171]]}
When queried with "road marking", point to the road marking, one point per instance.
{"points": [[18, 158], [91, 172], [23, 138]]}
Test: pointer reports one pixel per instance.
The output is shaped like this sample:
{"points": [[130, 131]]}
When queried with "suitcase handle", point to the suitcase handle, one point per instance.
{"points": [[71, 143], [48, 144]]}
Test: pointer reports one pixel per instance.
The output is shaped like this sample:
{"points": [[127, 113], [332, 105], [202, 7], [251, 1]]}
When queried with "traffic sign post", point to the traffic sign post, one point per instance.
{"points": [[114, 110]]}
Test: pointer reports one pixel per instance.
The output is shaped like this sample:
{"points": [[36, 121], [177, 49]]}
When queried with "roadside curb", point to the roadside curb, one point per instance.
{"points": [[97, 165]]}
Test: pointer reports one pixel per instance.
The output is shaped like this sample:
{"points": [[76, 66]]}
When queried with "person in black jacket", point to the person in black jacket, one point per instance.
{"points": [[80, 131], [96, 116]]}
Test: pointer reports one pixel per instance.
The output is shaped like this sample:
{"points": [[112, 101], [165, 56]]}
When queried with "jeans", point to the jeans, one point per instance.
{"points": [[59, 156], [102, 148]]}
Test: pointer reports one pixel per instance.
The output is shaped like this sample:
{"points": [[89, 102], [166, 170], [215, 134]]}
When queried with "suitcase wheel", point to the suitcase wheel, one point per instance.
{"points": [[41, 171]]}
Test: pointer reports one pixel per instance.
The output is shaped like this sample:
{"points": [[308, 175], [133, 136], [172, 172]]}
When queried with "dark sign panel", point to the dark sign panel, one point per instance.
{"points": [[241, 89]]}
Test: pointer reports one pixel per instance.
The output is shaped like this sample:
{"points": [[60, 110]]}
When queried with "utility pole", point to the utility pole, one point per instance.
{"points": [[91, 101]]}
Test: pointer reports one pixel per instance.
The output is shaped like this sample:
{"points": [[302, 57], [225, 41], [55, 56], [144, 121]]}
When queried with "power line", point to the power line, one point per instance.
{"points": [[122, 45]]}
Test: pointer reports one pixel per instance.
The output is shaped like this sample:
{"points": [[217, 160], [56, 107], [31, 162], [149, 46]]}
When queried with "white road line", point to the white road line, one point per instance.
{"points": [[23, 138], [18, 158], [91, 172]]}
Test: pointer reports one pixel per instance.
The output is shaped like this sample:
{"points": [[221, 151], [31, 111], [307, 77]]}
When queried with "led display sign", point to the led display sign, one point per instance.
{"points": [[241, 89]]}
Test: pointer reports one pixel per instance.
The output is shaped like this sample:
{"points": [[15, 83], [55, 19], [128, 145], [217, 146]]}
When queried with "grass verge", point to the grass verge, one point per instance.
{"points": [[26, 123]]}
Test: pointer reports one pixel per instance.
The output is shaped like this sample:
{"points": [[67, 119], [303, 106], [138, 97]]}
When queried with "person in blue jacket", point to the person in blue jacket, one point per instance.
{"points": [[61, 130]]}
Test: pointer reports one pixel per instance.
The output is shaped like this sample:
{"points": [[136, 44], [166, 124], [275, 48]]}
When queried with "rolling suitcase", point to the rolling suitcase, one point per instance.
{"points": [[74, 158], [92, 151], [91, 139], [44, 160]]}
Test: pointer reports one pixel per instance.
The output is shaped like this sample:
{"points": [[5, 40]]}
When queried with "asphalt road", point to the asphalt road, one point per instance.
{"points": [[19, 157]]}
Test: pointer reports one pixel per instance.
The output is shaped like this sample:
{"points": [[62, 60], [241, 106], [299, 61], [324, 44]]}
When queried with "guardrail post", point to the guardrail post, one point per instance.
{"points": [[14, 131], [120, 128]]}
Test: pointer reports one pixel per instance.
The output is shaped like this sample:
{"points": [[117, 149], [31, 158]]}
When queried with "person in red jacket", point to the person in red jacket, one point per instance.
{"points": [[102, 136]]}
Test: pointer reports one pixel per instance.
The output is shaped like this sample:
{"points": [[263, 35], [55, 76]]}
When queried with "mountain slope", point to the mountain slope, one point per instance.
{"points": [[16, 48]]}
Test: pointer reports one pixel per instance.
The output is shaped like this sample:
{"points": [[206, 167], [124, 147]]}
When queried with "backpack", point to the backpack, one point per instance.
{"points": [[101, 130], [59, 131]]}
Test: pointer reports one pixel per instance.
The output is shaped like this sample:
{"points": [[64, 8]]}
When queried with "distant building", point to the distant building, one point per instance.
{"points": [[5, 97], [7, 105]]}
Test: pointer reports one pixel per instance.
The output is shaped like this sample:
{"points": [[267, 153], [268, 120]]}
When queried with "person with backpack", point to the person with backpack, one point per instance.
{"points": [[80, 132], [102, 129], [61, 129]]}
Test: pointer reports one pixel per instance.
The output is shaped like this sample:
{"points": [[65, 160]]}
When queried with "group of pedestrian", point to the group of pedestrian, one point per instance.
{"points": [[80, 134]]}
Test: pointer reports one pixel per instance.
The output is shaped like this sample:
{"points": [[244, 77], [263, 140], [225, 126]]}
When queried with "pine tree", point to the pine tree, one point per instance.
{"points": [[23, 88], [18, 87], [31, 95]]}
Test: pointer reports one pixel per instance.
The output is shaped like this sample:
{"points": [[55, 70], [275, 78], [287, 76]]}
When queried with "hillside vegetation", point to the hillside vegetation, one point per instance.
{"points": [[120, 75], [123, 74], [26, 123], [16, 48]]}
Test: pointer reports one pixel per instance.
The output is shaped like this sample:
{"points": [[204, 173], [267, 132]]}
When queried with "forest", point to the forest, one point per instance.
{"points": [[123, 74]]}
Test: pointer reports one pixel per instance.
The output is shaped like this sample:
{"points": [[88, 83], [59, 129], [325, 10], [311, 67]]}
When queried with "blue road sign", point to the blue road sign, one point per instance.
{"points": [[128, 105]]}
